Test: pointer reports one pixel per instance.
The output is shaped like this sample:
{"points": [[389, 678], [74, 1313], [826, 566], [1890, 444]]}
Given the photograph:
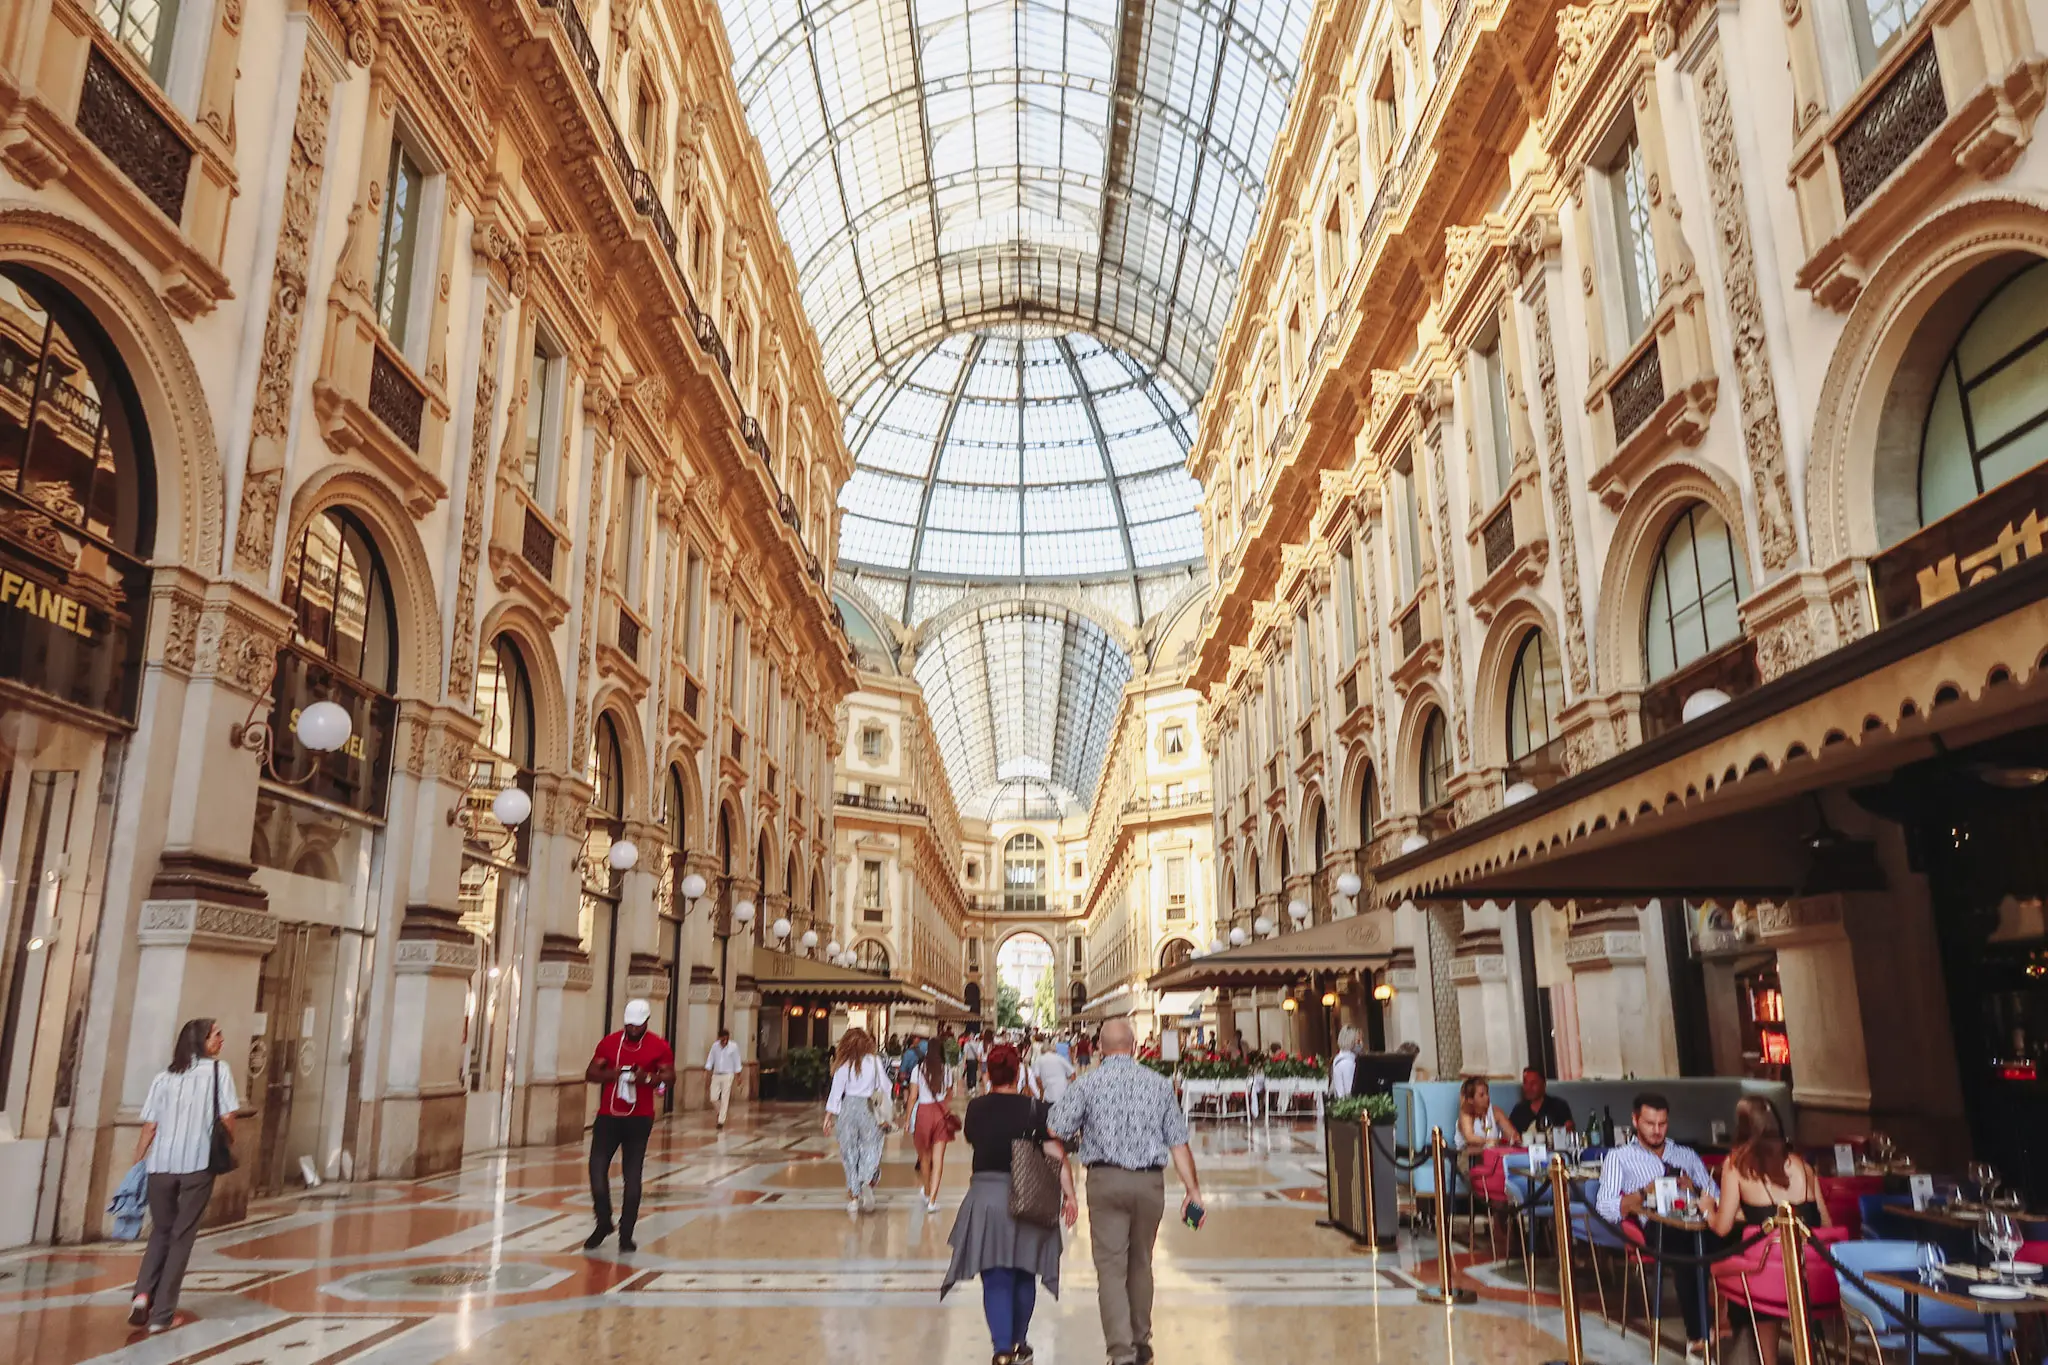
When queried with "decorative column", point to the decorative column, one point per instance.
{"points": [[554, 1031], [1831, 1071], [1611, 987], [697, 1021], [1488, 1022], [205, 925], [423, 1106]]}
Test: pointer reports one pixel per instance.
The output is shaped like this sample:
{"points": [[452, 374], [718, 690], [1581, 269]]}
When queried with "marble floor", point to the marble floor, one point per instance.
{"points": [[748, 1254]]}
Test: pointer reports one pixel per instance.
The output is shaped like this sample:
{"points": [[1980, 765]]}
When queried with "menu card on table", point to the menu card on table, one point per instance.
{"points": [[1922, 1187]]}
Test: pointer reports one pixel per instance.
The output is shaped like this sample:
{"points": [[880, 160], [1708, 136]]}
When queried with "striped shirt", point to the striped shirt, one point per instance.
{"points": [[1626, 1170], [180, 1104]]}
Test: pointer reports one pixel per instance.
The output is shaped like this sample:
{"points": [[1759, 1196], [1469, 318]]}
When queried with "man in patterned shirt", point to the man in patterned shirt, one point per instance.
{"points": [[1129, 1126]]}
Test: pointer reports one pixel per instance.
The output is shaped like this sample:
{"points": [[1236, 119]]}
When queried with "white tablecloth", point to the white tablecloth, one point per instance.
{"points": [[1282, 1094], [1223, 1092]]}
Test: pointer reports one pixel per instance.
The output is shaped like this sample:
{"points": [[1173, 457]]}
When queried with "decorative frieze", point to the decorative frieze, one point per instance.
{"points": [[1609, 948], [462, 646], [1559, 477], [197, 925]]}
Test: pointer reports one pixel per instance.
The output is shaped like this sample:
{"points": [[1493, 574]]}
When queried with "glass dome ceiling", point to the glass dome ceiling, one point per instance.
{"points": [[991, 456]]}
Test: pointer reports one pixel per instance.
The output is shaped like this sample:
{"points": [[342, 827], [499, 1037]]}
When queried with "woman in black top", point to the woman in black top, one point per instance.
{"points": [[1761, 1173], [1008, 1255]]}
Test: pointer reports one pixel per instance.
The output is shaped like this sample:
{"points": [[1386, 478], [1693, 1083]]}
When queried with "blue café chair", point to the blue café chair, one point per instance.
{"points": [[1596, 1237], [1869, 1207], [1882, 1319]]}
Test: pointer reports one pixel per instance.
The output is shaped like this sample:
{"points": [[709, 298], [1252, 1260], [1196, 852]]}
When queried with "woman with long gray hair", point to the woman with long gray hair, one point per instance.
{"points": [[857, 1077], [177, 1150]]}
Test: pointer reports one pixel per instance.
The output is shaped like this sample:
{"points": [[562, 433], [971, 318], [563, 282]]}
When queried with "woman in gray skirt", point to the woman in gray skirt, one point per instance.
{"points": [[857, 1077], [1009, 1256]]}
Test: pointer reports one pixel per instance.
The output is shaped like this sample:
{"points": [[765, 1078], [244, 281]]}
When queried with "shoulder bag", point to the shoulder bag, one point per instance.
{"points": [[881, 1104], [221, 1158], [1034, 1180]]}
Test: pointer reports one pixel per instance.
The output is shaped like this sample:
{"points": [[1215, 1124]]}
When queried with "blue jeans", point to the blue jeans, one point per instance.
{"points": [[1007, 1298]]}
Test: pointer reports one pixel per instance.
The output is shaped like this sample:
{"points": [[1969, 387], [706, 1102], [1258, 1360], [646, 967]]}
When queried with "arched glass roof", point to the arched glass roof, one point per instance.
{"points": [[991, 456], [1090, 165]]}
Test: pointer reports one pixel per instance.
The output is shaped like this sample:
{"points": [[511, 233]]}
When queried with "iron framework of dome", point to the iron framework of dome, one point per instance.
{"points": [[939, 166], [999, 457]]}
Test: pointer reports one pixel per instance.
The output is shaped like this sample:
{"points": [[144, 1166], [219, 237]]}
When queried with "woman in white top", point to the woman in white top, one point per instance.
{"points": [[931, 1122], [177, 1151], [1052, 1072], [857, 1076]]}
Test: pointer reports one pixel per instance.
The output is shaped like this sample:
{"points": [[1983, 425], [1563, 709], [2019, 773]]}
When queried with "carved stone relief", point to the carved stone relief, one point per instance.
{"points": [[256, 526], [1561, 500], [462, 648], [1778, 540]]}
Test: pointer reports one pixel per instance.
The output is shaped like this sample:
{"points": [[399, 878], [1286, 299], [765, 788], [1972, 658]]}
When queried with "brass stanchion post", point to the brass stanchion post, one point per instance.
{"points": [[1792, 1250], [1369, 1218], [1445, 1292], [1567, 1292]]}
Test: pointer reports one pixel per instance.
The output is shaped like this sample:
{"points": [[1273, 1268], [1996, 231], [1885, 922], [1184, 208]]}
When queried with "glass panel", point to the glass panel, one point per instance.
{"points": [[1629, 188], [1948, 474], [538, 400], [1502, 445], [145, 28], [1695, 593], [396, 241]]}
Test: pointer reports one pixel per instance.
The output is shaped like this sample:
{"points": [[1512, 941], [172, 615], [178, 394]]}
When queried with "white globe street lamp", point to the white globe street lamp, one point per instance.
{"points": [[511, 807], [743, 913], [1262, 926], [624, 855], [780, 929], [323, 727], [1238, 938], [1348, 884], [1298, 911], [810, 939]]}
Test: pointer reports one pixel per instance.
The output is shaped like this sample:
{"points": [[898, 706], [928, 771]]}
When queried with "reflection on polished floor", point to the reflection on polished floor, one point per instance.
{"points": [[747, 1254]]}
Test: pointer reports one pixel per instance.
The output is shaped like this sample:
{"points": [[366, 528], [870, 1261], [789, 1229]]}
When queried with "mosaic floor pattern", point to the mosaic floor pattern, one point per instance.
{"points": [[747, 1254]]}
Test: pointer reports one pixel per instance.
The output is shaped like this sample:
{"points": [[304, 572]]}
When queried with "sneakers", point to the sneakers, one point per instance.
{"points": [[597, 1236], [853, 1205], [138, 1311], [931, 1205]]}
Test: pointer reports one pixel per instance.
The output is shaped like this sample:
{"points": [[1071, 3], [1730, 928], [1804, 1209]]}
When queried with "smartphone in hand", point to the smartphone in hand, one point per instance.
{"points": [[1193, 1215]]}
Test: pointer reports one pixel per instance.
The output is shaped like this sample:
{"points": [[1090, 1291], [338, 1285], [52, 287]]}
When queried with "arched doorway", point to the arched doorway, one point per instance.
{"points": [[317, 836], [1026, 993], [77, 517], [493, 890]]}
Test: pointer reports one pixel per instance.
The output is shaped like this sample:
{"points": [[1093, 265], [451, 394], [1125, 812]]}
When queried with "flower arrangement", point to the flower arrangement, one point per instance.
{"points": [[1210, 1066], [1154, 1064], [1289, 1067], [1350, 1108]]}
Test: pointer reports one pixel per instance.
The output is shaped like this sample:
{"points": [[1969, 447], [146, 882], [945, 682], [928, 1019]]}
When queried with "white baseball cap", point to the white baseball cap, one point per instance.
{"points": [[638, 1011]]}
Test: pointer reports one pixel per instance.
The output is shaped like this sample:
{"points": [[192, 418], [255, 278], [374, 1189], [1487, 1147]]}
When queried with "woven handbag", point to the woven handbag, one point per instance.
{"points": [[1034, 1182]]}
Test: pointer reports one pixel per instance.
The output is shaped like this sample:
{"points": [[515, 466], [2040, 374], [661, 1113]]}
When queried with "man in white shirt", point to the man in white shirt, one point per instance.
{"points": [[723, 1063], [1053, 1072]]}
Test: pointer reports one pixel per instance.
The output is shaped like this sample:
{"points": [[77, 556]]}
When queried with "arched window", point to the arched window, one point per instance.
{"points": [[77, 501], [1024, 882], [1695, 587], [604, 824], [1322, 844], [1176, 952], [676, 826], [339, 595], [1988, 421], [1535, 693], [1368, 806], [1077, 998], [871, 956], [972, 994], [343, 649], [504, 703], [1435, 772]]}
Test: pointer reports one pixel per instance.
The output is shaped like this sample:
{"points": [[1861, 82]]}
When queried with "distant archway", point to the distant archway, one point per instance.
{"points": [[1025, 966]]}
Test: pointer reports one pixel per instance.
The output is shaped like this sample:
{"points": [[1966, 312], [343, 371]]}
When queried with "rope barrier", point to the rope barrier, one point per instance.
{"points": [[1387, 1147]]}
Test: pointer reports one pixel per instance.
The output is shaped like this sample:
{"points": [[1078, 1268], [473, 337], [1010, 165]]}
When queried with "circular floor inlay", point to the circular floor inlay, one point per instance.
{"points": [[449, 1281]]}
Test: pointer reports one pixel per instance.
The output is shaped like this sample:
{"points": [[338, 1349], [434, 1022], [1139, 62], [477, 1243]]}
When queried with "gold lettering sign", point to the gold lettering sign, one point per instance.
{"points": [[37, 599], [1950, 574]]}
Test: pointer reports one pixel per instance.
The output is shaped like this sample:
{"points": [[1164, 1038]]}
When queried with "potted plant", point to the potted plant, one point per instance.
{"points": [[1358, 1171]]}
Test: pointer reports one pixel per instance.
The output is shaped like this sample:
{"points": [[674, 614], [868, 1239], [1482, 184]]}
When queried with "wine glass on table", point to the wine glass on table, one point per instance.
{"points": [[2005, 1240], [1933, 1265], [1983, 1180]]}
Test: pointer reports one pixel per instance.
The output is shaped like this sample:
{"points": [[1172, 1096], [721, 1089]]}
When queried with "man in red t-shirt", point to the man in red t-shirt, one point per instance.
{"points": [[626, 1069]]}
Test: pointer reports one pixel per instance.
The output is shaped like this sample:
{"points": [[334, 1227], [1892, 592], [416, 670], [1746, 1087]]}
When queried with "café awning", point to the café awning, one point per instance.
{"points": [[1177, 1004], [1360, 941], [786, 974], [1116, 1006], [1721, 806]]}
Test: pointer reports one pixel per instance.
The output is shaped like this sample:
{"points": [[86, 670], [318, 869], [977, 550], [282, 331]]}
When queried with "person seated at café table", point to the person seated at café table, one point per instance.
{"points": [[1482, 1126], [1762, 1173], [1628, 1181], [1538, 1108]]}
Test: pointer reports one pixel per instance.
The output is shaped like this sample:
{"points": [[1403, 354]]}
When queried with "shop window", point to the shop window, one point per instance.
{"points": [[77, 502], [399, 242], [1696, 586], [1628, 194], [146, 28], [546, 382], [1435, 770], [1535, 693], [343, 649], [1989, 419]]}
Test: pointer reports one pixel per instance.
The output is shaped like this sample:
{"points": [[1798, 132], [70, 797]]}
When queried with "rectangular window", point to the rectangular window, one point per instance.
{"points": [[398, 242], [1347, 605], [1074, 869], [1629, 191], [871, 792], [1878, 24], [1411, 525], [1173, 792], [145, 28], [736, 694], [1304, 663], [544, 369], [1175, 739], [700, 247], [1176, 888], [871, 742], [646, 105], [1493, 383], [629, 566], [693, 611], [871, 882]]}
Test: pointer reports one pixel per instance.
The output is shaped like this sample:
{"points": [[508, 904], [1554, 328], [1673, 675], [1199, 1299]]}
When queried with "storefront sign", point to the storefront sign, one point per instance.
{"points": [[70, 613], [2001, 530]]}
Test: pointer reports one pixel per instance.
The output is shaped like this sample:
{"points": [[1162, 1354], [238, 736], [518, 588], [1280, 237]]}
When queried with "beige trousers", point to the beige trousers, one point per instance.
{"points": [[721, 1092], [1124, 1209]]}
